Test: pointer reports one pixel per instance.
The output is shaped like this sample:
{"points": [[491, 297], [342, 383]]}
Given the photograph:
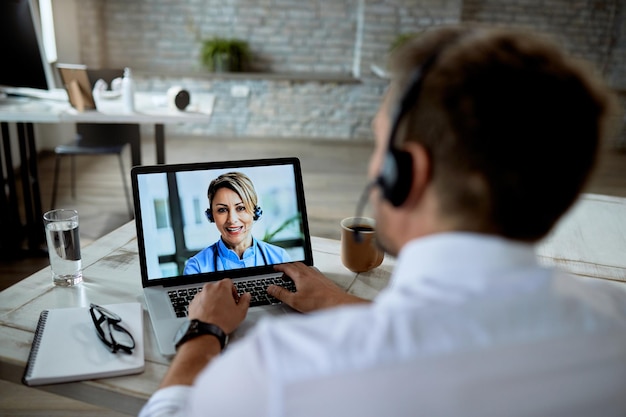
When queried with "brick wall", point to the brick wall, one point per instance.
{"points": [[341, 37], [591, 29], [160, 40], [594, 30]]}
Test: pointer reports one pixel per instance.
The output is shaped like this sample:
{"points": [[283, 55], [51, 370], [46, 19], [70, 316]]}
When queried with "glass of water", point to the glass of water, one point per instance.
{"points": [[63, 247]]}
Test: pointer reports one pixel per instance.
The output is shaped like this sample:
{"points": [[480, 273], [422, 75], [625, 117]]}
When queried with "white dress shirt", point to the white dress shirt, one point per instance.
{"points": [[470, 325]]}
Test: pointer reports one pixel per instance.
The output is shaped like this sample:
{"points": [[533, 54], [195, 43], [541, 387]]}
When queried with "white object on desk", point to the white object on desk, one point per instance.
{"points": [[128, 91], [55, 94], [178, 98], [66, 347], [149, 108]]}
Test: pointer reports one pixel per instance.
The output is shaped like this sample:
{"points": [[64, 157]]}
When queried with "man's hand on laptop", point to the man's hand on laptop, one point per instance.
{"points": [[216, 304], [219, 304], [313, 290]]}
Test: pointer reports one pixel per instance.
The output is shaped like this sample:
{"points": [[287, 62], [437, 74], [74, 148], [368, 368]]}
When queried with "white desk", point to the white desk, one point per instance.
{"points": [[111, 271], [111, 275], [151, 108], [590, 240]]}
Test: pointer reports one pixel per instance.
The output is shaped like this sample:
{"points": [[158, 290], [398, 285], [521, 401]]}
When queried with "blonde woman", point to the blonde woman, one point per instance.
{"points": [[233, 207]]}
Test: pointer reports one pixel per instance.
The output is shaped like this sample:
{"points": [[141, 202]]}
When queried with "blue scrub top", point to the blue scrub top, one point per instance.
{"points": [[259, 254]]}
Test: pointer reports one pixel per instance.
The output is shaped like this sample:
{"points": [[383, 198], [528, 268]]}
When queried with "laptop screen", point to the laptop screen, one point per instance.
{"points": [[255, 218]]}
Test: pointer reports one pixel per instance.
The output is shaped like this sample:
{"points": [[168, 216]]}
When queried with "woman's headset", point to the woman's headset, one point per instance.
{"points": [[258, 212]]}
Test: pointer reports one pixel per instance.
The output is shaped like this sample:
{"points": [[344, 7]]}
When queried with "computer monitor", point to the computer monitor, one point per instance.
{"points": [[25, 69]]}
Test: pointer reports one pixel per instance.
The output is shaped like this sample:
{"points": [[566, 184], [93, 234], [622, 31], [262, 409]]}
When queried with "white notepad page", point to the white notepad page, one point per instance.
{"points": [[67, 348]]}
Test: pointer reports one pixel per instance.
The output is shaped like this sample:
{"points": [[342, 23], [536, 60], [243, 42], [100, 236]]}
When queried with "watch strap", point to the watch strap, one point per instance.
{"points": [[199, 328]]}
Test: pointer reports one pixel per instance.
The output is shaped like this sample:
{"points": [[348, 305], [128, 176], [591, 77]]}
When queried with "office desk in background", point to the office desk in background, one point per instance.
{"points": [[151, 108], [111, 273], [24, 113]]}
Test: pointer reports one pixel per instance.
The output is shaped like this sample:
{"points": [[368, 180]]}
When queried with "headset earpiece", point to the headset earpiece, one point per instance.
{"points": [[396, 176], [258, 212]]}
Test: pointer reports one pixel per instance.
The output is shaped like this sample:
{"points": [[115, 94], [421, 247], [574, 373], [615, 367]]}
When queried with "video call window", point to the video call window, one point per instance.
{"points": [[176, 228]]}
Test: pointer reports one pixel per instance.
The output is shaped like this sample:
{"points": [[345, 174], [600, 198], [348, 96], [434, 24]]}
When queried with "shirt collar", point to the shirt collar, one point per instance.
{"points": [[455, 265], [230, 254]]}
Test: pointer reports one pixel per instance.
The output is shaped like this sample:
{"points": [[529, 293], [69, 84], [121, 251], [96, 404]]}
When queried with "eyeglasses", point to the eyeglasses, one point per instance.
{"points": [[109, 330]]}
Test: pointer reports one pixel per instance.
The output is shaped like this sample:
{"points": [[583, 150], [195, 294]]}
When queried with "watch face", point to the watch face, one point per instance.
{"points": [[182, 331]]}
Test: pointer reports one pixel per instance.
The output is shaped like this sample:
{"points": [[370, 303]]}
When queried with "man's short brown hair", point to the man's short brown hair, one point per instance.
{"points": [[511, 123]]}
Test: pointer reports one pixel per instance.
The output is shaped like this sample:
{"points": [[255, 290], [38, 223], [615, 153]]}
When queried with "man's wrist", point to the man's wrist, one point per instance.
{"points": [[191, 359], [346, 299], [340, 299], [207, 344]]}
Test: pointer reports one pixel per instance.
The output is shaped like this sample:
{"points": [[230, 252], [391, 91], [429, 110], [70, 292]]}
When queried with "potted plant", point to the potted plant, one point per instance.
{"points": [[398, 41], [224, 55], [402, 39]]}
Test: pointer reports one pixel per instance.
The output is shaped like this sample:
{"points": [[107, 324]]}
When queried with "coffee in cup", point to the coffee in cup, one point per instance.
{"points": [[359, 251]]}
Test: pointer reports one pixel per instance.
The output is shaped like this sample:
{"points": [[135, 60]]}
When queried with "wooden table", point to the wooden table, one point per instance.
{"points": [[590, 241], [111, 275]]}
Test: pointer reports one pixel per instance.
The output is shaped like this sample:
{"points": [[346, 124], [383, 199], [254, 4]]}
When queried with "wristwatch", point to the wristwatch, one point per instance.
{"points": [[194, 328]]}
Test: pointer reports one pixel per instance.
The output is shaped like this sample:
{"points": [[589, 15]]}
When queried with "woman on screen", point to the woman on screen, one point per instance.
{"points": [[233, 208]]}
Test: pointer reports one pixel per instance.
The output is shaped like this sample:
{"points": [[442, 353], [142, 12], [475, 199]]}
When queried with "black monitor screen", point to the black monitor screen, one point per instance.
{"points": [[21, 51]]}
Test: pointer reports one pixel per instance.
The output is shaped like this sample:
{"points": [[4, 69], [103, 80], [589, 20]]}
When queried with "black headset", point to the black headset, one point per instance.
{"points": [[396, 175], [258, 212]]}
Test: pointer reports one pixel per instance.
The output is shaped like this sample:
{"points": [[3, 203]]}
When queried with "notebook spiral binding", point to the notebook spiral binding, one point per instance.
{"points": [[36, 342]]}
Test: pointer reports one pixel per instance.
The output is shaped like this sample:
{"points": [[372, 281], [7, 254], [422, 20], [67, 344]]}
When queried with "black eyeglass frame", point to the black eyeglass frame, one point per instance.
{"points": [[113, 321]]}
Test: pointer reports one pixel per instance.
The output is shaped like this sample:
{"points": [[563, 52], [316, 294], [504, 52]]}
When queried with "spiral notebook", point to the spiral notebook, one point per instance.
{"points": [[66, 347]]}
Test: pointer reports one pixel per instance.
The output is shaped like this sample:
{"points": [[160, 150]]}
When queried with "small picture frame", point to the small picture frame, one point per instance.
{"points": [[76, 82]]}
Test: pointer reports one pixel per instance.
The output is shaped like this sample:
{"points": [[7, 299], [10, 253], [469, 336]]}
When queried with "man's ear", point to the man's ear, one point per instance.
{"points": [[421, 171]]}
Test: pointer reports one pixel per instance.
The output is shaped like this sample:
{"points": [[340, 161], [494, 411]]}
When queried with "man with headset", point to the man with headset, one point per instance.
{"points": [[484, 139]]}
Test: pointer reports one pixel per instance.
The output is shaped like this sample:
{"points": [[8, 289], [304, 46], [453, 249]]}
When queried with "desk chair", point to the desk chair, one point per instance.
{"points": [[96, 139]]}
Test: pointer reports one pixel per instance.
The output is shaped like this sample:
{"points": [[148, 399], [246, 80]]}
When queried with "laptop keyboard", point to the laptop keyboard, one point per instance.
{"points": [[257, 288]]}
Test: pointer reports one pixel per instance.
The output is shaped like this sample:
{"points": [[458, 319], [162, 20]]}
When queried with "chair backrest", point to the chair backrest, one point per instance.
{"points": [[99, 134]]}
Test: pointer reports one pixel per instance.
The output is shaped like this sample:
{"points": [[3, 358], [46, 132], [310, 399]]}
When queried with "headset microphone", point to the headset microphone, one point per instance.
{"points": [[396, 174], [361, 206]]}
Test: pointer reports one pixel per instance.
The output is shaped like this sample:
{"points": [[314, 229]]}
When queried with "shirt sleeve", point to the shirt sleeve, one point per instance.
{"points": [[167, 402], [234, 384], [200, 262], [286, 257], [238, 373], [191, 267]]}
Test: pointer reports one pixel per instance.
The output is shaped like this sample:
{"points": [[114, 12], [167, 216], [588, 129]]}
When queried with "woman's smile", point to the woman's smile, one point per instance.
{"points": [[234, 230]]}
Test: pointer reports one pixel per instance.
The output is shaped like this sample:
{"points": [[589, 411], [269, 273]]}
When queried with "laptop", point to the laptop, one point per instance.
{"points": [[181, 247]]}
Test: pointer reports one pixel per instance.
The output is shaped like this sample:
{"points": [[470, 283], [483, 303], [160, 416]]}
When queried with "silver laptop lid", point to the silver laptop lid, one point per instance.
{"points": [[180, 244]]}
